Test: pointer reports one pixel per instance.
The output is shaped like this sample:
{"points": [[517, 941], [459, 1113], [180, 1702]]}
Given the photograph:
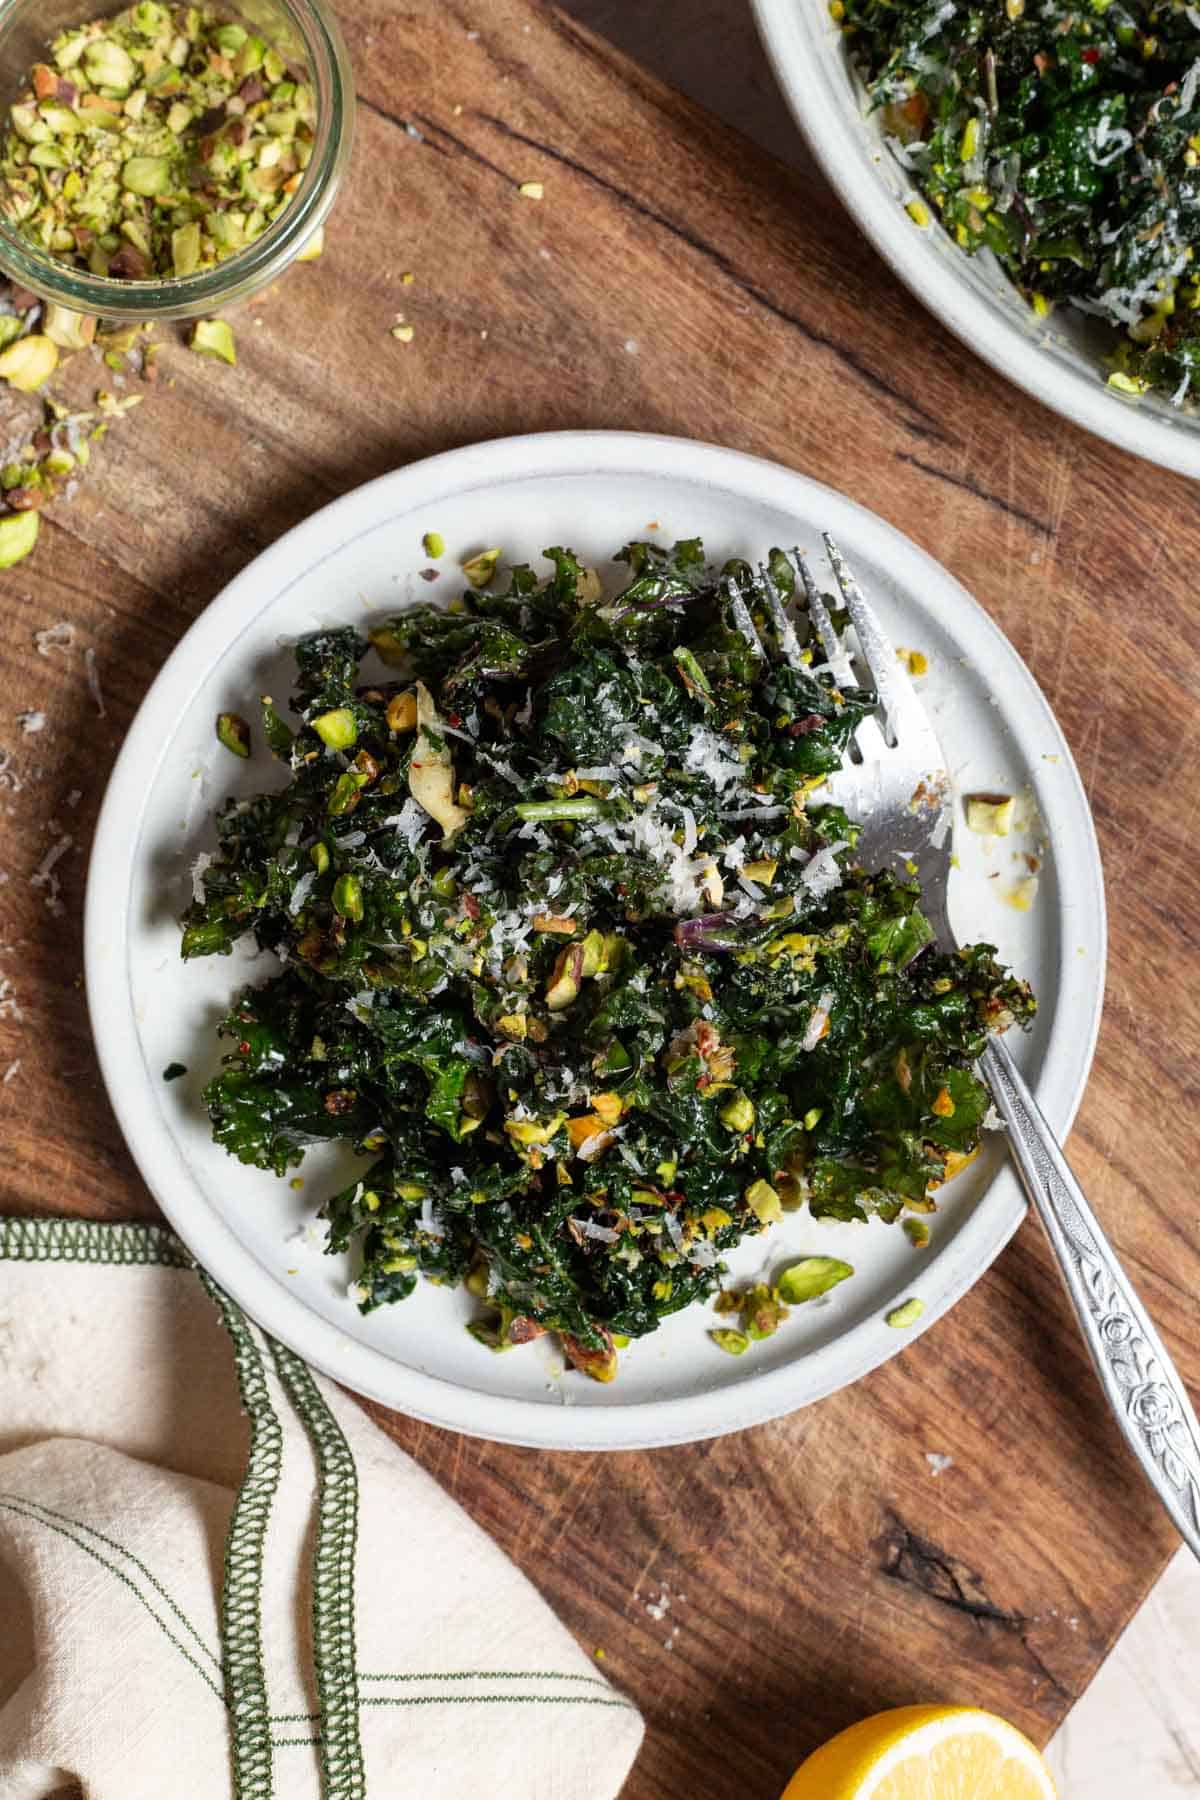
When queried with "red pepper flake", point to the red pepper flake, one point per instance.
{"points": [[470, 906], [244, 1048], [1090, 56], [802, 727], [454, 719]]}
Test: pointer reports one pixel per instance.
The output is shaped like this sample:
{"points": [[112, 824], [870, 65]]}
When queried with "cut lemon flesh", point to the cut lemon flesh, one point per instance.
{"points": [[925, 1753]]}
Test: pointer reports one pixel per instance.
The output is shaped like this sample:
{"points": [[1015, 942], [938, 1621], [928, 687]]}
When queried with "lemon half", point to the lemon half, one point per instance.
{"points": [[925, 1753]]}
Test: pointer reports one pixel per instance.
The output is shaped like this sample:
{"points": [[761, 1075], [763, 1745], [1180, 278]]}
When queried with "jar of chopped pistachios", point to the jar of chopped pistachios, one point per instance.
{"points": [[165, 160]]}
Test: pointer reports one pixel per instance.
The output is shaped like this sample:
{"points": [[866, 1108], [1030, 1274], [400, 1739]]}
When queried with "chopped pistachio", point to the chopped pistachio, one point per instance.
{"points": [[528, 1131], [314, 246], [532, 190], [154, 143], [234, 733], [391, 648], [738, 1113], [433, 544], [492, 1330], [402, 713], [811, 1277], [403, 333], [347, 897], [904, 1315], [600, 1364], [990, 815], [563, 986], [28, 362], [146, 175], [762, 871], [551, 924], [480, 569], [337, 729], [347, 792], [734, 1343], [69, 330], [918, 212], [690, 673], [917, 1233], [107, 65], [595, 953], [764, 1202], [186, 248], [212, 337], [18, 535], [121, 338], [1022, 894], [762, 1312]]}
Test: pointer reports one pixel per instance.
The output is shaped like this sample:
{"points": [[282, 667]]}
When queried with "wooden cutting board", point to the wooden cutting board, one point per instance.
{"points": [[758, 1593]]}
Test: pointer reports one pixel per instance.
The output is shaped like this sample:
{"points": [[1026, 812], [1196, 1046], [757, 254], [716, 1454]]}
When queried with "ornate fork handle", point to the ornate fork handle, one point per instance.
{"points": [[1143, 1387]]}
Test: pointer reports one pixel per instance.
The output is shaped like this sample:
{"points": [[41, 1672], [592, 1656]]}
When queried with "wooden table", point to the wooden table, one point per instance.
{"points": [[675, 279]]}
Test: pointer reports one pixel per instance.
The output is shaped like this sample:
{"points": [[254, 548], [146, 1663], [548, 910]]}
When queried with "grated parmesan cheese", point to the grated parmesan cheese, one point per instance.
{"points": [[203, 861]]}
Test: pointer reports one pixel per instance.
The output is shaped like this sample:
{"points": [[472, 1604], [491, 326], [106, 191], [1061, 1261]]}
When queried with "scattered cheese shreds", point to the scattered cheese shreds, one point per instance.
{"points": [[54, 637]]}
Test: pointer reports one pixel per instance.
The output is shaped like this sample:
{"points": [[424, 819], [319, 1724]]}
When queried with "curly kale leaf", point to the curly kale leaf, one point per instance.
{"points": [[327, 669]]}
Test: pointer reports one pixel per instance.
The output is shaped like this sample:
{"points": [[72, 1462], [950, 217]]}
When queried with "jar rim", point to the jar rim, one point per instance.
{"points": [[249, 269]]}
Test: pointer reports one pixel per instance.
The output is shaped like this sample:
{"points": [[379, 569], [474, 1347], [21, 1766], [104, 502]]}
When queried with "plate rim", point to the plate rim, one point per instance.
{"points": [[790, 45], [281, 1311]]}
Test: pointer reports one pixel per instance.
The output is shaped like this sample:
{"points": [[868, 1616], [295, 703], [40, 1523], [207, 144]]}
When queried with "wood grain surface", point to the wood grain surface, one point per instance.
{"points": [[758, 1593]]}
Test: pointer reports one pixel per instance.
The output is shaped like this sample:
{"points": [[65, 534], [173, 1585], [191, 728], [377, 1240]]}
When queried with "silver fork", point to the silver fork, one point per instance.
{"points": [[900, 794]]}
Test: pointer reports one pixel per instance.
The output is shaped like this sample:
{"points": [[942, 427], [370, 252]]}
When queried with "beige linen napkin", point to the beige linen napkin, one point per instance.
{"points": [[217, 1577]]}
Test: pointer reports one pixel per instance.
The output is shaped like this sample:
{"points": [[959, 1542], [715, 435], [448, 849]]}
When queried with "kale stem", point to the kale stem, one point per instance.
{"points": [[550, 811]]}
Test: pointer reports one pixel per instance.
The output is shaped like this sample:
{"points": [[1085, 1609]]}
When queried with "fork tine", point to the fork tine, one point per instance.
{"points": [[818, 612], [897, 696], [741, 615], [785, 631]]}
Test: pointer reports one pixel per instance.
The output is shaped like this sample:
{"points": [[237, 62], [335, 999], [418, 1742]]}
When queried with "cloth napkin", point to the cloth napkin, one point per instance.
{"points": [[217, 1577]]}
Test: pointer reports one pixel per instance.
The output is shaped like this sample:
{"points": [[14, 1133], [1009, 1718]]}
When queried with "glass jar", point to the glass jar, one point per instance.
{"points": [[306, 34]]}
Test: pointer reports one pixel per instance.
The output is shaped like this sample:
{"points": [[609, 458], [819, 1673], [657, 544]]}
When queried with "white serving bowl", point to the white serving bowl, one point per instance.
{"points": [[1058, 360]]}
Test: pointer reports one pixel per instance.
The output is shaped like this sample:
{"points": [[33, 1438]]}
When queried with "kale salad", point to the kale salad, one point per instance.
{"points": [[573, 949], [1065, 139]]}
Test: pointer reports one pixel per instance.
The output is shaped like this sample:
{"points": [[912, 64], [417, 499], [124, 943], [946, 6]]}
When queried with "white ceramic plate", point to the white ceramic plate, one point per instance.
{"points": [[1056, 360], [591, 491]]}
